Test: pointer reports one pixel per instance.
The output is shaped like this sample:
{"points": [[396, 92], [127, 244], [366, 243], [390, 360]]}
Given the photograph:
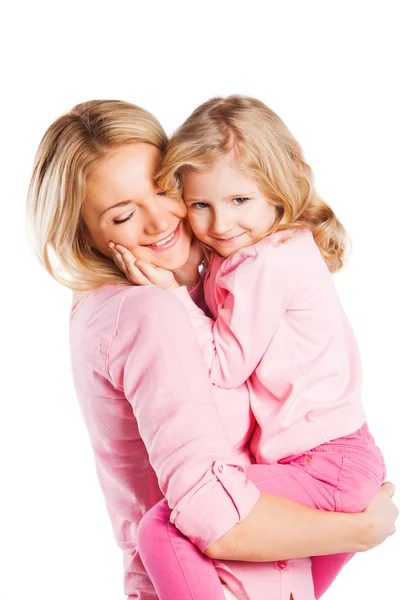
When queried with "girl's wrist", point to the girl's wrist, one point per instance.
{"points": [[190, 280]]}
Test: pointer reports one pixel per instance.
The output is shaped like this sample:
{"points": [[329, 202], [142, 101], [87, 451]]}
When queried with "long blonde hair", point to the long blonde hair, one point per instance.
{"points": [[69, 150], [263, 146]]}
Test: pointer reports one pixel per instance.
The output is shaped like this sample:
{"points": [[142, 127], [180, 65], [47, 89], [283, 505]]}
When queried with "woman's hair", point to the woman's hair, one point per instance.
{"points": [[67, 154], [261, 145]]}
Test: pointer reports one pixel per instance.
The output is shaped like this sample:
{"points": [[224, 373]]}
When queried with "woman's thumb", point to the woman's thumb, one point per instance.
{"points": [[389, 488]]}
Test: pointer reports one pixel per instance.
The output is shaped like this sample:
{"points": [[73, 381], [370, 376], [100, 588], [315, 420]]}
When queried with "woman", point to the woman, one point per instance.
{"points": [[140, 377]]}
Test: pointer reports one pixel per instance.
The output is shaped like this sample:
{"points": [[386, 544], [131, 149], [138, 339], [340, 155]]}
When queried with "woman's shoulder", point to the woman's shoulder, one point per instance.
{"points": [[100, 312]]}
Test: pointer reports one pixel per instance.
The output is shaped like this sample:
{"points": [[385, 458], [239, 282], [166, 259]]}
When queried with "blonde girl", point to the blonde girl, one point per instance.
{"points": [[275, 321]]}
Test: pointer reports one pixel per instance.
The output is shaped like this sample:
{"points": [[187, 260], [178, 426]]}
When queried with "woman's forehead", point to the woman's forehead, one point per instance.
{"points": [[122, 174]]}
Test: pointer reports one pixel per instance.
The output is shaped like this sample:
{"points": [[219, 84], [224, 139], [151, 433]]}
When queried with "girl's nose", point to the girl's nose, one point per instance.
{"points": [[220, 224]]}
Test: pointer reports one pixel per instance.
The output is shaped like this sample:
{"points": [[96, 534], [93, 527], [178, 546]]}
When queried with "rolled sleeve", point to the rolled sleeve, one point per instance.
{"points": [[224, 492]]}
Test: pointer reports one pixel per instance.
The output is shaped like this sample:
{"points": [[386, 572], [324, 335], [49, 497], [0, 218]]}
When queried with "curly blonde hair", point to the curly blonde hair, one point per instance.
{"points": [[262, 145], [66, 156]]}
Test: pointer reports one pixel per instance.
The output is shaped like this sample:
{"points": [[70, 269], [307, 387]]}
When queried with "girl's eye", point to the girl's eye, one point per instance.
{"points": [[161, 193], [239, 201], [200, 205], [119, 221]]}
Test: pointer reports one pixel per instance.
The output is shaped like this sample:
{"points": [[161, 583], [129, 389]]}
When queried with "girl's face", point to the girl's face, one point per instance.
{"points": [[124, 206], [226, 209]]}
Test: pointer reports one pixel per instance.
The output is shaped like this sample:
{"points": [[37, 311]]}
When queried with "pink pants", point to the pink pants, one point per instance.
{"points": [[342, 475]]}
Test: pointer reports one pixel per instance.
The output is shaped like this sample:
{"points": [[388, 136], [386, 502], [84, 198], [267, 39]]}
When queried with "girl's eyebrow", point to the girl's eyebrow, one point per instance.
{"points": [[240, 195], [230, 197]]}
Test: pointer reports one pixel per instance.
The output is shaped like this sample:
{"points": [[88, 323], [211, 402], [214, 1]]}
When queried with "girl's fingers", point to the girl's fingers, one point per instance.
{"points": [[127, 256], [148, 270], [129, 268], [117, 258]]}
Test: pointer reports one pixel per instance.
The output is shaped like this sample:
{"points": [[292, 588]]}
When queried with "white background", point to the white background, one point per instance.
{"points": [[330, 70]]}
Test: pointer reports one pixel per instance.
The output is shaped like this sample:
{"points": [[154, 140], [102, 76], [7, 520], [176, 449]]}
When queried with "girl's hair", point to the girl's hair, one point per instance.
{"points": [[67, 154], [261, 144]]}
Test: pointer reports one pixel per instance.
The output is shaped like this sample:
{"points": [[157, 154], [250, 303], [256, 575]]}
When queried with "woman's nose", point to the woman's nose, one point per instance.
{"points": [[157, 220]]}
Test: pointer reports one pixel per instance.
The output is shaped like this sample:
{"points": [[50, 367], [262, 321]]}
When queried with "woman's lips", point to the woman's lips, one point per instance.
{"points": [[168, 244]]}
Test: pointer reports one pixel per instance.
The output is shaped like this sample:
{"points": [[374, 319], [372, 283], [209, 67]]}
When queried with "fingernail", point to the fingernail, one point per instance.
{"points": [[111, 245]]}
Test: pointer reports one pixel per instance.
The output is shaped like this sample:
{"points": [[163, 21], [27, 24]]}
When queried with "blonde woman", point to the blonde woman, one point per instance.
{"points": [[156, 424]]}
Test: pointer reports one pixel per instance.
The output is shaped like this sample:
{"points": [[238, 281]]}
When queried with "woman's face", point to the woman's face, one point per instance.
{"points": [[124, 206]]}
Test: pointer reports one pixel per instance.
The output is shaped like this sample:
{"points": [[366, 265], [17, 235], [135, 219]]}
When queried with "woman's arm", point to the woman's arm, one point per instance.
{"points": [[157, 364], [279, 529]]}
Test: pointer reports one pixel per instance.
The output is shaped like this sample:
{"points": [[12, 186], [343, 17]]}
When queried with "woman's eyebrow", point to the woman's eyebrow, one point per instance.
{"points": [[123, 203]]}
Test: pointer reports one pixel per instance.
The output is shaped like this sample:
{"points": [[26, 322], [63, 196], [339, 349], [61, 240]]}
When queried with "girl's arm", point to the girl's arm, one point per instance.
{"points": [[253, 298], [155, 361]]}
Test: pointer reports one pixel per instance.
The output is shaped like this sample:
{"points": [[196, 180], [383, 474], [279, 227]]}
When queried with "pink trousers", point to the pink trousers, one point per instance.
{"points": [[342, 475]]}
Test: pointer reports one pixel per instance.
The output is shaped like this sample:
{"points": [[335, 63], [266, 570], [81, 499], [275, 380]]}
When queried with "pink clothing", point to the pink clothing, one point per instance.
{"points": [[342, 475], [148, 404], [279, 322]]}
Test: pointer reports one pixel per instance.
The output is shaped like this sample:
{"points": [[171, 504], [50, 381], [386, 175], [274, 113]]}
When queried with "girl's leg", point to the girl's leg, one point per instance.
{"points": [[179, 570], [343, 475], [176, 567], [324, 479]]}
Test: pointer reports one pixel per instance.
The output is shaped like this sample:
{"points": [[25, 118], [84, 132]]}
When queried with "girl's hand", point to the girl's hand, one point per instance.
{"points": [[140, 272], [188, 274]]}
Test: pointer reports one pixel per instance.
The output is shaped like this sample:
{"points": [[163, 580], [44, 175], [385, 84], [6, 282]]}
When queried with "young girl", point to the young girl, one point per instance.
{"points": [[275, 318]]}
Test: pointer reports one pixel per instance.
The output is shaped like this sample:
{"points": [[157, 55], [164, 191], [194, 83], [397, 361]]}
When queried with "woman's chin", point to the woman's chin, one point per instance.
{"points": [[172, 259]]}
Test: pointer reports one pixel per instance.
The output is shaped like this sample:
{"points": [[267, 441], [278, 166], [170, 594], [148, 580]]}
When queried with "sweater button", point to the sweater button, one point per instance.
{"points": [[221, 468], [281, 565]]}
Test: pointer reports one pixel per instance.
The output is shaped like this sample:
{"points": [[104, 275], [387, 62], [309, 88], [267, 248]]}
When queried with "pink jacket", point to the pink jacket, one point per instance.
{"points": [[153, 420], [279, 322]]}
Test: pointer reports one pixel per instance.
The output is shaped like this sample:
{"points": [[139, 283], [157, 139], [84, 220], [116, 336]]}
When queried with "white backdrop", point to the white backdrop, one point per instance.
{"points": [[329, 69]]}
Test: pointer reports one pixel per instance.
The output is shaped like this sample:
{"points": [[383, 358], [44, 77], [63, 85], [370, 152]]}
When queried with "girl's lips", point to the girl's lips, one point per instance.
{"points": [[228, 240], [174, 240]]}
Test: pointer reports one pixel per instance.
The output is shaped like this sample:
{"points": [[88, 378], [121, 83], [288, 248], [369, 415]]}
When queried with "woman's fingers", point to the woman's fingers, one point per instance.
{"points": [[389, 488]]}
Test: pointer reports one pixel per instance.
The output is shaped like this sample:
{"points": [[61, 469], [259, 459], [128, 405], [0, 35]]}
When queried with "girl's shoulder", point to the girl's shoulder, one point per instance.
{"points": [[281, 249]]}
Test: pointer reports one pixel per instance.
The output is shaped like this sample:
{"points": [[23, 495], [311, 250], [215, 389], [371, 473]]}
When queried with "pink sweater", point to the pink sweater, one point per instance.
{"points": [[154, 423], [277, 320]]}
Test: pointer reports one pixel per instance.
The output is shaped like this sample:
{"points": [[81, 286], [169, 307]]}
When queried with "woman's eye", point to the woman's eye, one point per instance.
{"points": [[239, 201], [161, 193], [200, 205], [119, 221]]}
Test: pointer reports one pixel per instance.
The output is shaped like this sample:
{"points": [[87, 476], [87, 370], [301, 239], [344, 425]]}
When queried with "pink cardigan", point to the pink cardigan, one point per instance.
{"points": [[153, 420], [279, 322]]}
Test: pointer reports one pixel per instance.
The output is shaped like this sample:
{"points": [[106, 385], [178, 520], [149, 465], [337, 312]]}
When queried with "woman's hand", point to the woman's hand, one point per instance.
{"points": [[140, 272], [380, 516]]}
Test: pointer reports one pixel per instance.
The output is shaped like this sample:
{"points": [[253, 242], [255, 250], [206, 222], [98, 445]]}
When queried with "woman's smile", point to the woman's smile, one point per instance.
{"points": [[151, 225]]}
